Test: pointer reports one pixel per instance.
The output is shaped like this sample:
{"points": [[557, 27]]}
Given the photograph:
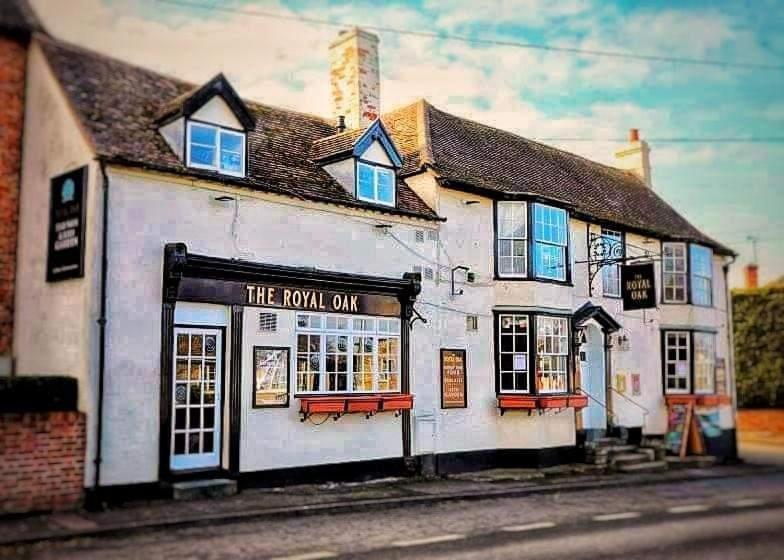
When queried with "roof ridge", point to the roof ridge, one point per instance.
{"points": [[426, 152]]}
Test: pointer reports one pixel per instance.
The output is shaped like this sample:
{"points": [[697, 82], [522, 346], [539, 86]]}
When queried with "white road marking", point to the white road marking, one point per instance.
{"points": [[428, 540], [529, 527], [689, 508], [317, 555], [749, 502], [617, 516]]}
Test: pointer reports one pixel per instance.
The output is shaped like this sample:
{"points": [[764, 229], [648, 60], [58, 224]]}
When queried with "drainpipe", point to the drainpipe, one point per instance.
{"points": [[730, 373], [102, 327]]}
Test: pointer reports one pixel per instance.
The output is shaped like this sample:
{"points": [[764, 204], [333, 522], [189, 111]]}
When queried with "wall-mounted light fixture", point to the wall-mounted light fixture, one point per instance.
{"points": [[383, 228], [470, 202], [223, 198], [460, 291]]}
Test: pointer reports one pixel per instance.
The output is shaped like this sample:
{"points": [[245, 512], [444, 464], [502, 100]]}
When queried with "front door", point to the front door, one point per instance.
{"points": [[592, 379], [196, 414]]}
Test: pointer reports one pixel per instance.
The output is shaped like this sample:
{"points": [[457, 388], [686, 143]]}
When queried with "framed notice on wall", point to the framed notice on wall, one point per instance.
{"points": [[67, 209], [454, 388], [270, 376]]}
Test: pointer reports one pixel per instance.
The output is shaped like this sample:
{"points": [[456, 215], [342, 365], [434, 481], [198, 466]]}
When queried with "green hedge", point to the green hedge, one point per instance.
{"points": [[758, 321]]}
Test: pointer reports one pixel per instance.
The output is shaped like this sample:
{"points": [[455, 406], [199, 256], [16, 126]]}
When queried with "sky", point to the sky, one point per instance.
{"points": [[729, 190]]}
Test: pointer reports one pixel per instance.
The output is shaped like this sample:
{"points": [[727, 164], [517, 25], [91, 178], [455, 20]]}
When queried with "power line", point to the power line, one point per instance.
{"points": [[480, 41], [725, 140]]}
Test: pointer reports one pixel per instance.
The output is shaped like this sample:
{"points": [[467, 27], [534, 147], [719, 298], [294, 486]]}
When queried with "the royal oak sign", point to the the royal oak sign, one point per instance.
{"points": [[638, 288]]}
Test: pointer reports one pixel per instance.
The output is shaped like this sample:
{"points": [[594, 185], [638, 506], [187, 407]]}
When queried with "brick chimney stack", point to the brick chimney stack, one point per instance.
{"points": [[636, 157], [751, 275], [354, 77]]}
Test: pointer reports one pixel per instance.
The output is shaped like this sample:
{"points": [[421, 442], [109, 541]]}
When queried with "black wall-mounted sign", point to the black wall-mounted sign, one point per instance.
{"points": [[638, 287], [286, 297], [454, 389], [67, 212]]}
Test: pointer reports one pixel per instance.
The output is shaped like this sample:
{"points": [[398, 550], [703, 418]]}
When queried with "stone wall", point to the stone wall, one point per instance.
{"points": [[41, 461]]}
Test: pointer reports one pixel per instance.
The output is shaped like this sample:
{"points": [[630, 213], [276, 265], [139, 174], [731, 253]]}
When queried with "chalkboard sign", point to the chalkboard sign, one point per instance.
{"points": [[679, 417], [67, 208], [453, 379]]}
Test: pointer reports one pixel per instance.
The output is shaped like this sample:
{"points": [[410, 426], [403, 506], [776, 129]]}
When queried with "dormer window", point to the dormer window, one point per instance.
{"points": [[215, 148], [375, 183]]}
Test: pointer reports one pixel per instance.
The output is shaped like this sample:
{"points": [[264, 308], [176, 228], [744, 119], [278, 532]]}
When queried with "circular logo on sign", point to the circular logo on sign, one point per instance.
{"points": [[68, 191]]}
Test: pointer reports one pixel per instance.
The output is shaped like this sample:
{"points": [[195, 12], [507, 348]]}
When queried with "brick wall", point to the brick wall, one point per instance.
{"points": [[12, 82], [41, 461]]}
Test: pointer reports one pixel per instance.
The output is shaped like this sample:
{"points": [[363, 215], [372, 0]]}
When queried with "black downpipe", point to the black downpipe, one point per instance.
{"points": [[102, 327]]}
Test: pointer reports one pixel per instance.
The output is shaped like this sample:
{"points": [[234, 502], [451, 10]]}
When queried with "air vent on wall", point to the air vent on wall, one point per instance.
{"points": [[419, 236], [268, 322], [428, 273], [472, 323]]}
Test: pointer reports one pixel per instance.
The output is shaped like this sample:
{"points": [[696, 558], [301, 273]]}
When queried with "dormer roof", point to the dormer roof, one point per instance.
{"points": [[355, 143], [188, 103], [16, 16]]}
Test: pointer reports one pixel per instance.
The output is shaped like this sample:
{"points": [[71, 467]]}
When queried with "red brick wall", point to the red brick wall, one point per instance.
{"points": [[761, 420], [12, 81], [41, 461]]}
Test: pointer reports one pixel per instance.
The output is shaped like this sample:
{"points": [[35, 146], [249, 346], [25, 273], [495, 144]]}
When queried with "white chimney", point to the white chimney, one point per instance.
{"points": [[354, 77], [636, 157]]}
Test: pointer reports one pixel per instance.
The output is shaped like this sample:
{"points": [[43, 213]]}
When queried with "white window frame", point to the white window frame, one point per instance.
{"points": [[609, 269], [219, 132], [668, 361], [674, 272], [377, 169], [382, 328], [709, 363], [512, 239], [515, 317], [695, 276], [556, 339], [561, 275]]}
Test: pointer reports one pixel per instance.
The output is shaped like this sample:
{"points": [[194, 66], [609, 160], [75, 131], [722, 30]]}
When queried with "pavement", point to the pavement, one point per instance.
{"points": [[730, 512], [311, 500]]}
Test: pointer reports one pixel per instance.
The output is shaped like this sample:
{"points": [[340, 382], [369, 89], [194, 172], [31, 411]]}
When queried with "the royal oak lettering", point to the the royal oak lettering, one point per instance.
{"points": [[296, 298], [638, 288]]}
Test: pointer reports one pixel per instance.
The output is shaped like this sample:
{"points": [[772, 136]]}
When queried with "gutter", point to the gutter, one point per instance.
{"points": [[102, 325], [730, 367]]}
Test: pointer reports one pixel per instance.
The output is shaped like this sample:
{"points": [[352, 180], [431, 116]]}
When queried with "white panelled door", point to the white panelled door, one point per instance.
{"points": [[196, 398]]}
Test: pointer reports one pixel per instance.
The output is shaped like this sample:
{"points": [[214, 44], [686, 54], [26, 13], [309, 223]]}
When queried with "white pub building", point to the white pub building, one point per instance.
{"points": [[254, 293]]}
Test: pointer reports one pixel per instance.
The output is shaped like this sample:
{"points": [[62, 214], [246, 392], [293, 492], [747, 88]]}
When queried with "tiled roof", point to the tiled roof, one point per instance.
{"points": [[468, 155], [17, 16], [334, 145], [119, 104]]}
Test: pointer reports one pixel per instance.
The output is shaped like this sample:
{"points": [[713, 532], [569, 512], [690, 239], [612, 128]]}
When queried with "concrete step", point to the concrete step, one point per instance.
{"points": [[210, 488], [654, 466], [630, 458], [691, 461]]}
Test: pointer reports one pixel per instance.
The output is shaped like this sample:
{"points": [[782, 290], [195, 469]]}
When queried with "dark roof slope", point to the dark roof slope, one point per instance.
{"points": [[335, 145], [467, 154], [17, 16], [119, 104]]}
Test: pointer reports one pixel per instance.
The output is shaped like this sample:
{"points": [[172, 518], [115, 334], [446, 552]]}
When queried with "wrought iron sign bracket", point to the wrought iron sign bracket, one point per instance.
{"points": [[604, 251]]}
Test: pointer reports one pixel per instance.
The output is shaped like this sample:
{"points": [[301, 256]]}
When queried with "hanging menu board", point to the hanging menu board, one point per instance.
{"points": [[453, 379], [65, 253]]}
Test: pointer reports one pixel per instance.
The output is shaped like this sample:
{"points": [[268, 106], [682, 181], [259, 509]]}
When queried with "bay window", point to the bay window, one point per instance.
{"points": [[689, 362], [376, 184], [701, 261], [532, 353], [674, 270], [550, 239], [611, 273], [338, 354], [217, 149], [512, 228]]}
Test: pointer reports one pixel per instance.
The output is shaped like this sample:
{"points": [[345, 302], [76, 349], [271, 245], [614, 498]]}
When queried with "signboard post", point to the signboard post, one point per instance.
{"points": [[454, 389], [638, 286], [67, 209]]}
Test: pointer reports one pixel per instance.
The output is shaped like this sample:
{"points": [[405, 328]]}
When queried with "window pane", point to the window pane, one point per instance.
{"points": [[704, 362], [513, 352], [231, 142], [386, 187], [550, 261], [365, 181], [552, 345], [677, 361], [202, 155], [204, 135], [511, 220]]}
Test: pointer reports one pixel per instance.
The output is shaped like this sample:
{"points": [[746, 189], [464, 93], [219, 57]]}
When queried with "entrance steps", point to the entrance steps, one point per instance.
{"points": [[209, 488], [614, 454]]}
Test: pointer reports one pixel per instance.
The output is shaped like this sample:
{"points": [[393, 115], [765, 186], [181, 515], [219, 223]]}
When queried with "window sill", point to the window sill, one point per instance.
{"points": [[567, 283], [369, 405], [699, 400], [539, 402]]}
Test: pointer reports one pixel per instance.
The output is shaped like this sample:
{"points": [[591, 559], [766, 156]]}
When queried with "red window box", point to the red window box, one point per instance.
{"points": [[363, 404], [366, 404], [714, 400], [397, 402], [553, 402], [322, 405], [577, 401], [680, 399], [516, 402]]}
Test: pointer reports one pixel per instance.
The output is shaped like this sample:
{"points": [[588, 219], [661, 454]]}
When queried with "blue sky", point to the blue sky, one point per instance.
{"points": [[728, 190]]}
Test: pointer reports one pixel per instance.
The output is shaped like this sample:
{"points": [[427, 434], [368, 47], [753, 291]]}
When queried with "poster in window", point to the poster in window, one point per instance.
{"points": [[638, 289], [270, 376], [721, 377], [453, 379], [67, 208]]}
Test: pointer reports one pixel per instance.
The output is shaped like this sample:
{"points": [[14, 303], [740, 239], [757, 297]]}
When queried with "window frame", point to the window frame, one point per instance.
{"points": [[666, 361], [375, 166], [323, 331], [526, 240], [693, 276], [219, 130], [532, 354], [537, 242], [617, 266], [685, 273], [713, 338], [691, 376], [539, 321]]}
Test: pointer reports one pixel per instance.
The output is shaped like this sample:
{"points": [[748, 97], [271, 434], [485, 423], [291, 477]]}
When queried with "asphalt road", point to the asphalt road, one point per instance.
{"points": [[724, 518]]}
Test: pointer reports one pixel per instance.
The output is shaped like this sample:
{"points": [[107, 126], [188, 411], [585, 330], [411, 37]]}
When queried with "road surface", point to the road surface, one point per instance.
{"points": [[724, 518]]}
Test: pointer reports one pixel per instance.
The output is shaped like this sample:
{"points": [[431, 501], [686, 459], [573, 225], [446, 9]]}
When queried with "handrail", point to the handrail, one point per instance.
{"points": [[645, 411], [597, 401]]}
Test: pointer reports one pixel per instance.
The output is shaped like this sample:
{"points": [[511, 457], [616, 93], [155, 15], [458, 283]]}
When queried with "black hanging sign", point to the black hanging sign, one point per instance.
{"points": [[67, 210], [638, 287]]}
